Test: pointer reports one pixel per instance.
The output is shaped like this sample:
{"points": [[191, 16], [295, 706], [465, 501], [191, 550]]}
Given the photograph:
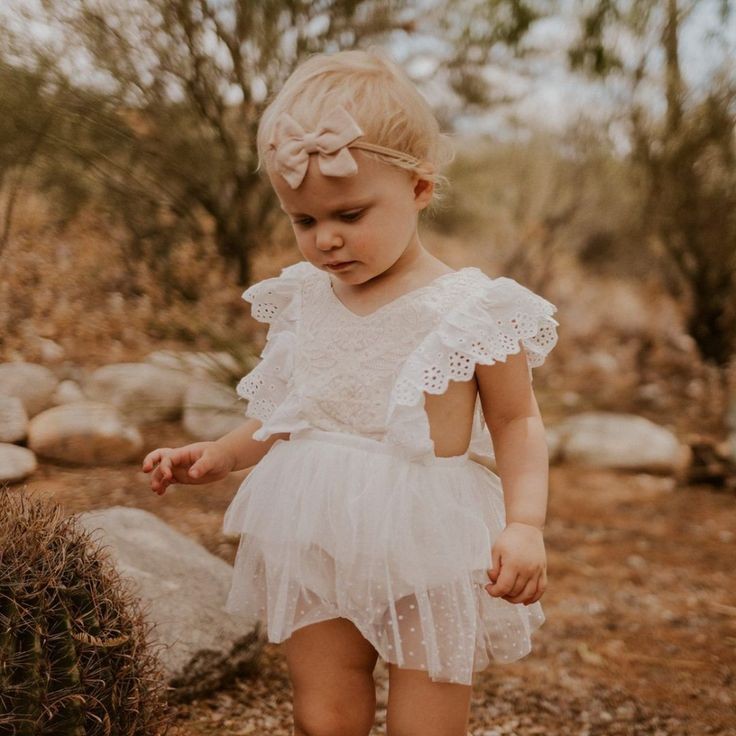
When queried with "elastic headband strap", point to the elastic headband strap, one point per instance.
{"points": [[335, 134]]}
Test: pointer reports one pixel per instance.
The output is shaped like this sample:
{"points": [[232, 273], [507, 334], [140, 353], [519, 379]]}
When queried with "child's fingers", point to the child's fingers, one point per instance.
{"points": [[200, 467], [174, 459], [537, 593], [155, 457], [495, 570], [150, 460], [179, 456], [519, 585], [162, 481], [162, 475], [526, 593], [163, 470], [541, 585], [505, 582]]}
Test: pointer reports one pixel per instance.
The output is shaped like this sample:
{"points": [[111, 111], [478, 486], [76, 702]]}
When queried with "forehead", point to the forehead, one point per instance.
{"points": [[318, 192]]}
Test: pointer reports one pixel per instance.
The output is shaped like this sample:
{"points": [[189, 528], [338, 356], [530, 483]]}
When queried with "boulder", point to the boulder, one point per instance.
{"points": [[16, 463], [621, 441], [142, 392], [182, 585], [33, 384], [207, 365], [67, 392], [211, 410], [85, 432], [50, 351], [13, 419]]}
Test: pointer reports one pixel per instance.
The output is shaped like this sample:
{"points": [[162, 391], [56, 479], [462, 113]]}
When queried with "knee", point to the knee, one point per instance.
{"points": [[334, 719], [331, 723]]}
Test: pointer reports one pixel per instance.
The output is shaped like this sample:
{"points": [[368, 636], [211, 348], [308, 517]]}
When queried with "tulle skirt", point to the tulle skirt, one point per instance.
{"points": [[341, 525]]}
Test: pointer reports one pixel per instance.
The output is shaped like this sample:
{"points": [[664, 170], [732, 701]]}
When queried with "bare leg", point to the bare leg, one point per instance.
{"points": [[331, 670], [418, 706]]}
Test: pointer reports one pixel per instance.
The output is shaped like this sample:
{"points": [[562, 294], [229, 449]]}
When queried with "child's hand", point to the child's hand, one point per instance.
{"points": [[519, 572], [200, 462]]}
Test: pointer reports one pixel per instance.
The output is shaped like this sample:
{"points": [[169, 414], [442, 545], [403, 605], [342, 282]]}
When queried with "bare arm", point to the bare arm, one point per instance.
{"points": [[247, 451], [514, 421], [519, 572]]}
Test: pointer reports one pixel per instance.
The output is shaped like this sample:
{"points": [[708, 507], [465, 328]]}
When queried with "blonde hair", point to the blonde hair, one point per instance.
{"points": [[380, 97]]}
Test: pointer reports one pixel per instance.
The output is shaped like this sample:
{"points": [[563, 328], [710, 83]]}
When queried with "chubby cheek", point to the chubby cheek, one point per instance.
{"points": [[305, 243], [371, 243]]}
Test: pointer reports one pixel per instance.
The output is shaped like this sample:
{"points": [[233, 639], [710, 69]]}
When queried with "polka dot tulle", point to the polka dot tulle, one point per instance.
{"points": [[335, 526]]}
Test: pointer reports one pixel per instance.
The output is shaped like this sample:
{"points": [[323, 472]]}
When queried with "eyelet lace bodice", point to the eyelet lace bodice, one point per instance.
{"points": [[328, 368]]}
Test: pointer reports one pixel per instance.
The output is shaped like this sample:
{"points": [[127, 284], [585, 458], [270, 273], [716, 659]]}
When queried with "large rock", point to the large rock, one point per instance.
{"points": [[16, 463], [621, 441], [13, 419], [87, 432], [50, 351], [33, 384], [67, 392], [141, 391], [211, 410], [183, 586], [209, 365]]}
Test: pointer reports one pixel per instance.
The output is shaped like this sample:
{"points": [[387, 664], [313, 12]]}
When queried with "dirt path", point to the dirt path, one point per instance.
{"points": [[640, 636]]}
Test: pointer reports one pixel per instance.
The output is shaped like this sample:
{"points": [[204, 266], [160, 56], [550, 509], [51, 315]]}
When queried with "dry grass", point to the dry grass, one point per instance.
{"points": [[623, 336]]}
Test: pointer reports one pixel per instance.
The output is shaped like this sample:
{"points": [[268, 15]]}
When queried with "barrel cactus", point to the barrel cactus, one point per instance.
{"points": [[75, 653]]}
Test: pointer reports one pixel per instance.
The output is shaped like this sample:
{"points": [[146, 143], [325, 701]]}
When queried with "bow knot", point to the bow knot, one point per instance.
{"points": [[310, 141], [293, 145]]}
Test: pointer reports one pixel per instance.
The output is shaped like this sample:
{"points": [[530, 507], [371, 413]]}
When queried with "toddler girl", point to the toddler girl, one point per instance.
{"points": [[371, 525]]}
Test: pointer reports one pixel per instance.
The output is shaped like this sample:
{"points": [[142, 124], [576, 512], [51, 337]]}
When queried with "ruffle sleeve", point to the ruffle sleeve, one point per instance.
{"points": [[276, 301], [493, 320]]}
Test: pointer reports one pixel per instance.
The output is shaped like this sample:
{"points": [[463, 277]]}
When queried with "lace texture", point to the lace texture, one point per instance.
{"points": [[276, 301], [327, 368], [495, 319]]}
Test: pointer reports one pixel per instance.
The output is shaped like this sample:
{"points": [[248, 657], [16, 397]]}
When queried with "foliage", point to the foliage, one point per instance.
{"points": [[159, 122], [685, 156], [534, 202]]}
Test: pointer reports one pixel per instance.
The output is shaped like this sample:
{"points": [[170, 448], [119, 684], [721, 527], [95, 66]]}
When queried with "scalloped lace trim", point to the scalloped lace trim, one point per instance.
{"points": [[277, 302], [468, 337], [487, 327]]}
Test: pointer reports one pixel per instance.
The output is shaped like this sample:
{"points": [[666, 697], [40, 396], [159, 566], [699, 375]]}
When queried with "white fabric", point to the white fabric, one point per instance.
{"points": [[366, 375], [401, 550], [354, 516]]}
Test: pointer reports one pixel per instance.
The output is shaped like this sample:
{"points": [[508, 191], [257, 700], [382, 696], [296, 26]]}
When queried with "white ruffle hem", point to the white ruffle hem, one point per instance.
{"points": [[341, 525]]}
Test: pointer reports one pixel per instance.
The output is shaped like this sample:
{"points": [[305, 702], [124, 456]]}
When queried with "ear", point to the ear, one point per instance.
{"points": [[423, 191]]}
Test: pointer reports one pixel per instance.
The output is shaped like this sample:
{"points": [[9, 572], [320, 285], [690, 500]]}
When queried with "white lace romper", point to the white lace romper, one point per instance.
{"points": [[355, 516]]}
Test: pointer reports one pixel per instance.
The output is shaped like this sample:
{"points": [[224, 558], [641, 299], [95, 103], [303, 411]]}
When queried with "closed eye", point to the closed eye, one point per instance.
{"points": [[348, 217]]}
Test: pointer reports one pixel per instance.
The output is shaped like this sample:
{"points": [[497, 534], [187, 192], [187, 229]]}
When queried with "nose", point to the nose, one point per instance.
{"points": [[326, 238]]}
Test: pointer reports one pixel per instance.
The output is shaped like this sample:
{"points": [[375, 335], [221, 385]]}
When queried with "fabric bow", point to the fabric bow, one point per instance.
{"points": [[292, 146]]}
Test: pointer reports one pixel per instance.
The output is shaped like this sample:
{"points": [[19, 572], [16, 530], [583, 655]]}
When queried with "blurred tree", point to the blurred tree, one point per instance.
{"points": [[19, 90], [155, 104], [686, 155]]}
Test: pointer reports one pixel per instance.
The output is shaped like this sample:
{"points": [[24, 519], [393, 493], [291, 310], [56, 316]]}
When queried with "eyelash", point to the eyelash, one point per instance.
{"points": [[351, 217]]}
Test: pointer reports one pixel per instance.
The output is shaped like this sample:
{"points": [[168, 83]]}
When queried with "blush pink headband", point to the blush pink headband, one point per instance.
{"points": [[335, 133]]}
